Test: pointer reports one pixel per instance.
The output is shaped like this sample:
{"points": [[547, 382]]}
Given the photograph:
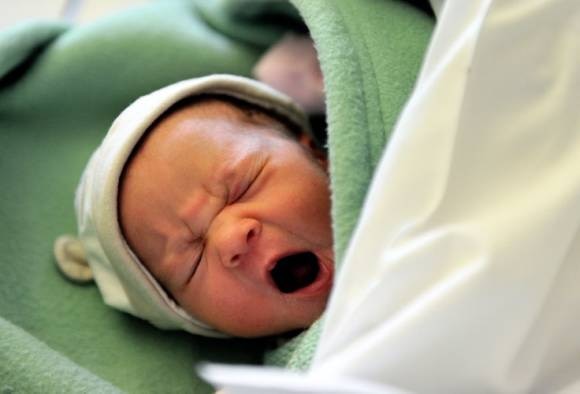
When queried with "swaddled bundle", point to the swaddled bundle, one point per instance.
{"points": [[64, 92], [122, 278]]}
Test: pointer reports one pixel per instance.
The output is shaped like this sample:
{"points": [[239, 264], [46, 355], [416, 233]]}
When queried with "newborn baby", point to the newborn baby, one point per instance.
{"points": [[207, 208]]}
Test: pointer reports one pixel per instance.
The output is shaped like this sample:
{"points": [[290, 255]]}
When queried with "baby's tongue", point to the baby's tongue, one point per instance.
{"points": [[295, 272]]}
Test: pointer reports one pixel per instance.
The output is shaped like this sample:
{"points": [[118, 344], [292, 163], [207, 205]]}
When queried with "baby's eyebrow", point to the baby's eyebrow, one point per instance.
{"points": [[223, 175], [191, 212]]}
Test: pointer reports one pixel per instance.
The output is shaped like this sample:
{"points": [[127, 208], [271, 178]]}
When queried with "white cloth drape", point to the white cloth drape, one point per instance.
{"points": [[463, 275]]}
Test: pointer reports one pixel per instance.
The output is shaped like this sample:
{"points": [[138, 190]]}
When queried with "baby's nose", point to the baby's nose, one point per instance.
{"points": [[238, 241]]}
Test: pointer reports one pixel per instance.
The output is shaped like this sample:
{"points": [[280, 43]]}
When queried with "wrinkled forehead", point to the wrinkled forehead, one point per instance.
{"points": [[214, 118]]}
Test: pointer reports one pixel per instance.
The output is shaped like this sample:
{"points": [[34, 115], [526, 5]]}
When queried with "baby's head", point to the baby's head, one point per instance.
{"points": [[210, 212]]}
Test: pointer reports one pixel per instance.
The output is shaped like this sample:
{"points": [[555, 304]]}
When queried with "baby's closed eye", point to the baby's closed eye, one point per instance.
{"points": [[242, 187], [197, 260]]}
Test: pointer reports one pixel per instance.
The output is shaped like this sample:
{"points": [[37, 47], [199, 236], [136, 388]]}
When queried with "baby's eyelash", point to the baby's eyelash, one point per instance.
{"points": [[248, 186], [243, 192], [196, 263], [239, 190]]}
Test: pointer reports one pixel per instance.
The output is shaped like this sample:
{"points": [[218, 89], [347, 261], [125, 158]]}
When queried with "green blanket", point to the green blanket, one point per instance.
{"points": [[61, 87]]}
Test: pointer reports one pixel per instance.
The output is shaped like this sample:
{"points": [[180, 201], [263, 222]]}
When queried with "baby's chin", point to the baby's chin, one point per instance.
{"points": [[270, 327]]}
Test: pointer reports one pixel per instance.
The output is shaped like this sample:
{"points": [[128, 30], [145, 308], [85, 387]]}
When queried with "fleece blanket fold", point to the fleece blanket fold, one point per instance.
{"points": [[60, 88], [370, 53]]}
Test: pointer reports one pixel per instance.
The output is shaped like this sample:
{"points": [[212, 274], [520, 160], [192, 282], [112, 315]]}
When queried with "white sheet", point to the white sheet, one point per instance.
{"points": [[463, 275]]}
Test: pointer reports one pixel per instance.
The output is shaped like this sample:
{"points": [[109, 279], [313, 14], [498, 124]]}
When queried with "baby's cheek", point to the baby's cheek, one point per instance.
{"points": [[251, 320], [226, 304]]}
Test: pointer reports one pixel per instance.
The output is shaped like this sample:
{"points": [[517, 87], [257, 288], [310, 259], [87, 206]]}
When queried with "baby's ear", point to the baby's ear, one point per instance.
{"points": [[308, 142]]}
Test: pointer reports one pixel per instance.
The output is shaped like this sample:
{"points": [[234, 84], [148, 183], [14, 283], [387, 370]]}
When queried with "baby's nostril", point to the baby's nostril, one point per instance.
{"points": [[295, 272], [235, 260], [252, 228], [251, 234]]}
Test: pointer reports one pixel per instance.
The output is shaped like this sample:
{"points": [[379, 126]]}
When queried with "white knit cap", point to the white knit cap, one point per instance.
{"points": [[123, 280]]}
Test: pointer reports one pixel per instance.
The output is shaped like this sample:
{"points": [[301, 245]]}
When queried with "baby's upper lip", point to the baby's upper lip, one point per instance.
{"points": [[322, 282]]}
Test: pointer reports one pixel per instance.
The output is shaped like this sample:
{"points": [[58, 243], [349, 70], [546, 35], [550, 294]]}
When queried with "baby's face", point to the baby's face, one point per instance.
{"points": [[232, 218]]}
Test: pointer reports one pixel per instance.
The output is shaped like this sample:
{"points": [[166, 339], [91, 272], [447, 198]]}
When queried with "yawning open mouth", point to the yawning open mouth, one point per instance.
{"points": [[296, 271]]}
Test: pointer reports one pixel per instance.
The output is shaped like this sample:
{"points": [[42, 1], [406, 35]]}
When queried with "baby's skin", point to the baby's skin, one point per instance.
{"points": [[231, 215]]}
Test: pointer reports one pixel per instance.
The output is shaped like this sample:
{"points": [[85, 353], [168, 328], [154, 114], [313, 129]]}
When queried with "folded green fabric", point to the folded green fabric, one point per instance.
{"points": [[61, 87], [20, 44], [58, 97], [370, 53], [40, 369], [257, 22]]}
